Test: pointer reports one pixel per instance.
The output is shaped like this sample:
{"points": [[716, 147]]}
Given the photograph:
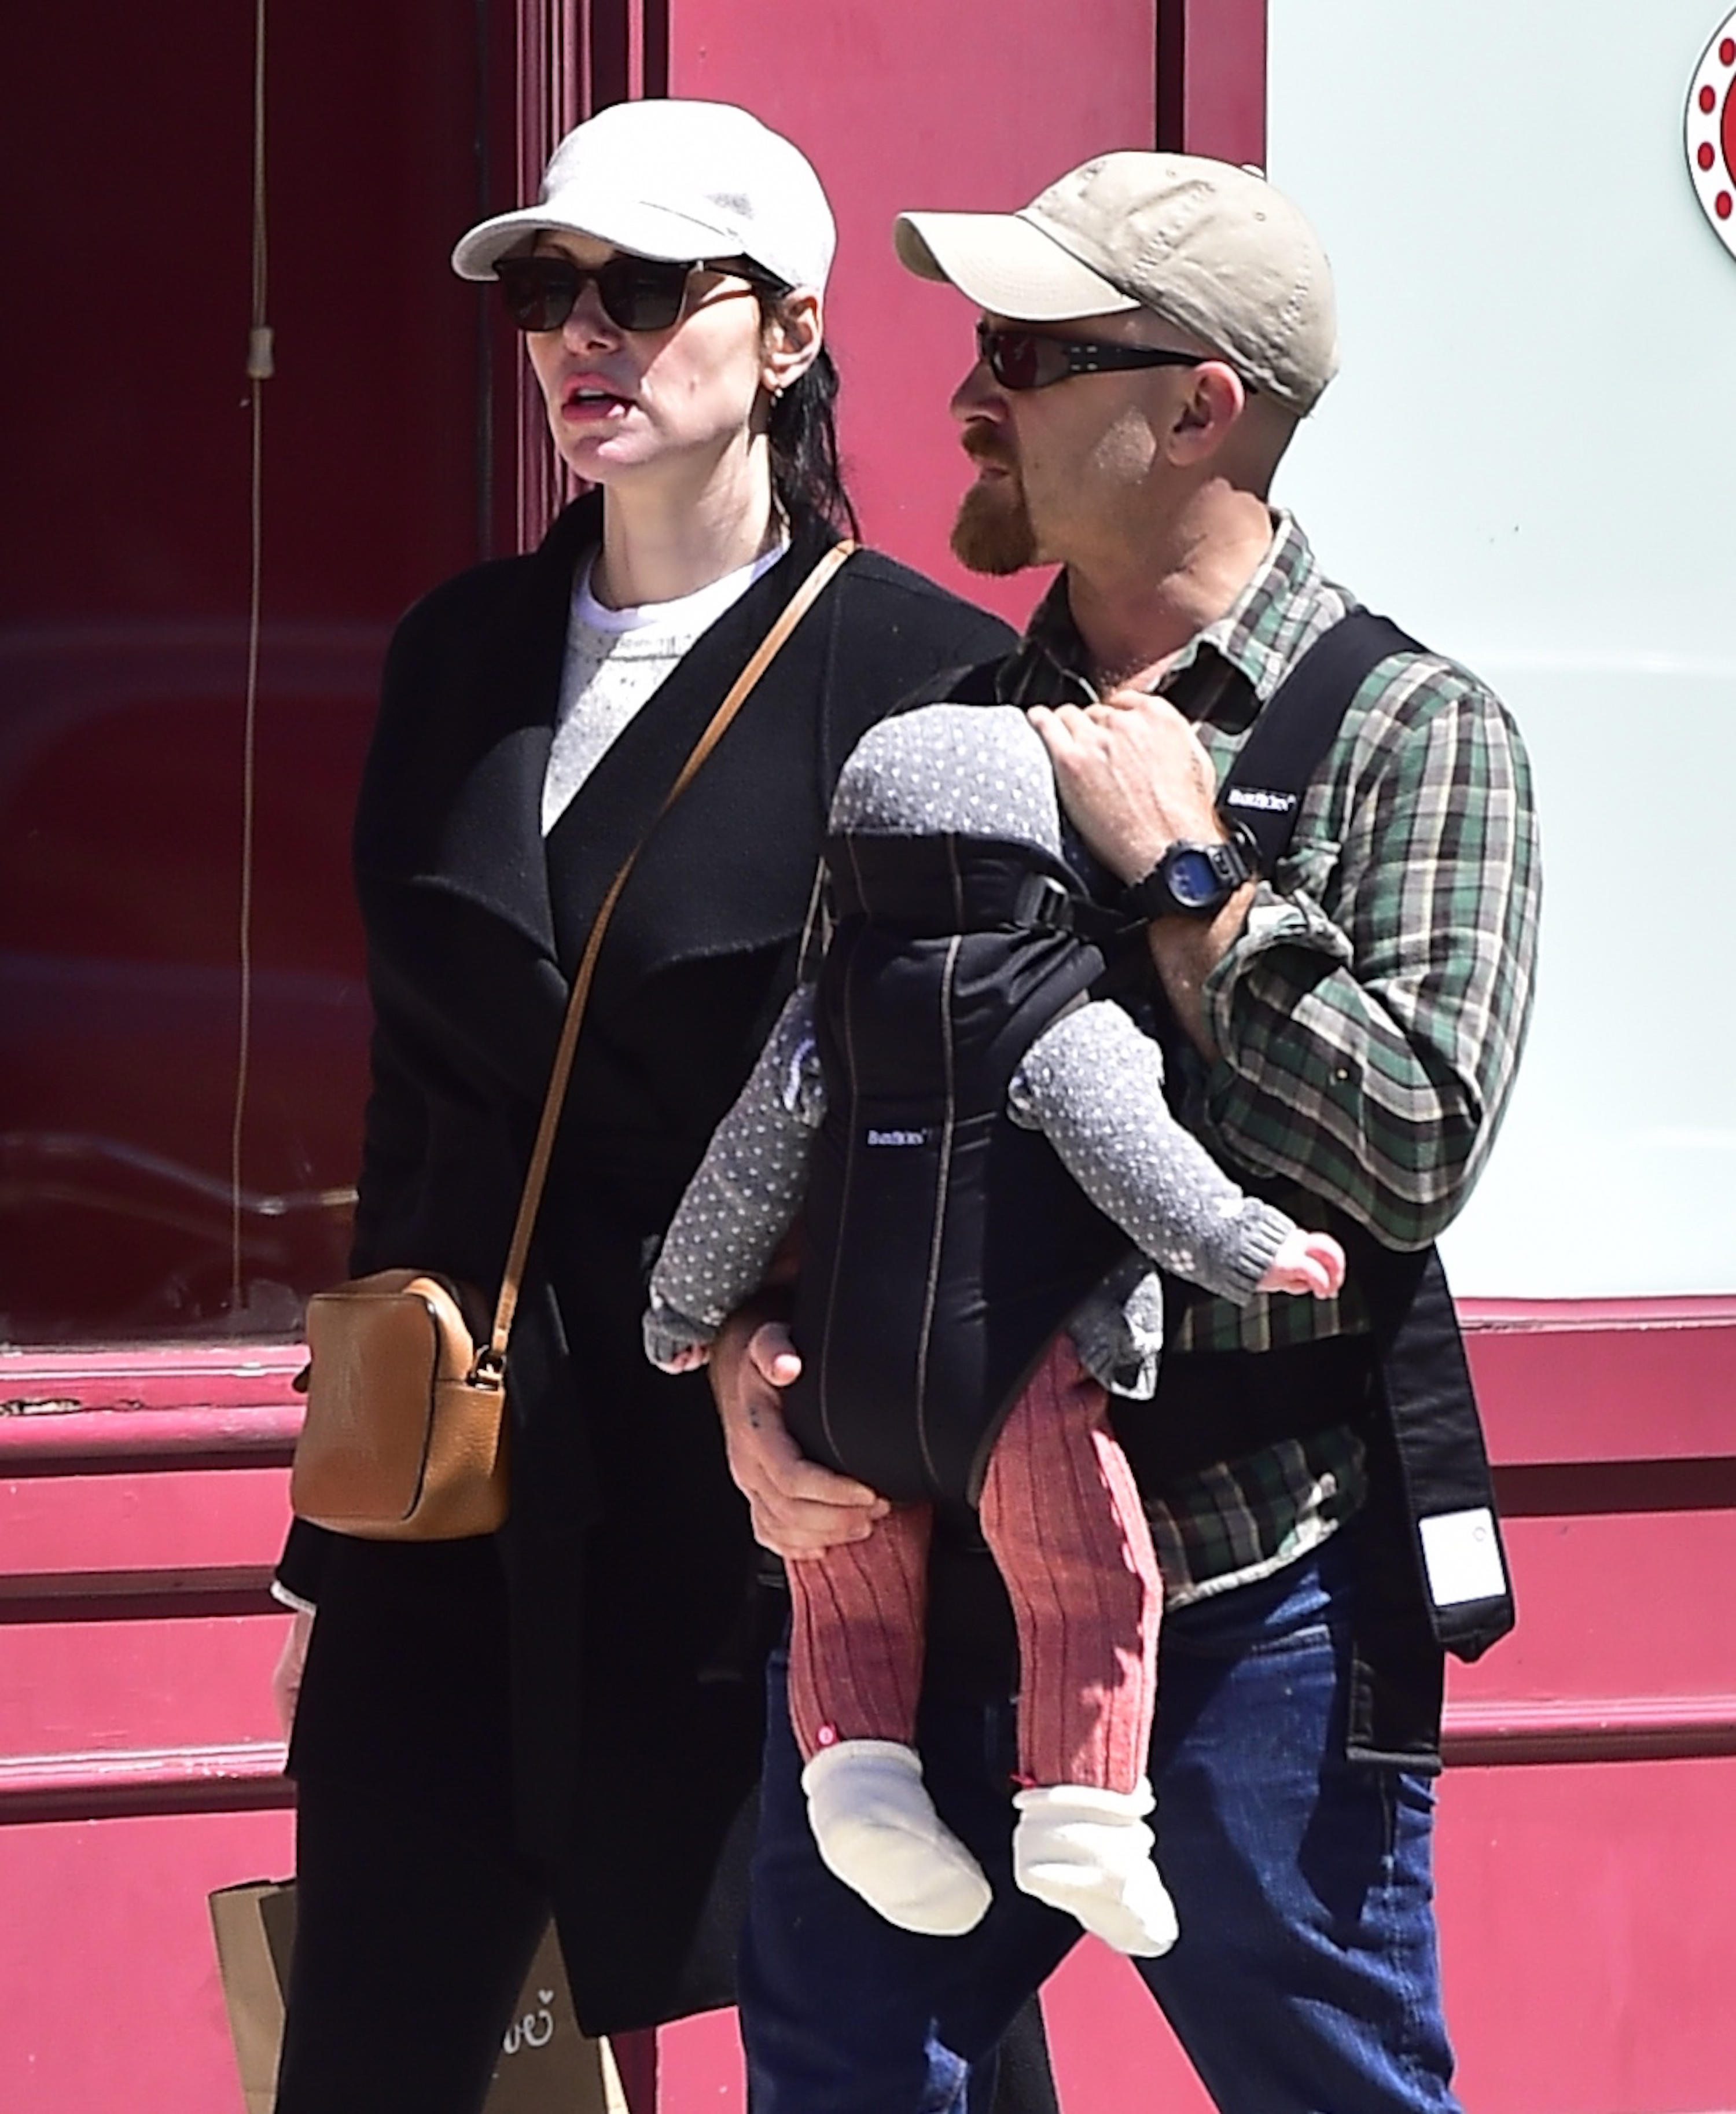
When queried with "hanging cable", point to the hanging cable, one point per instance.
{"points": [[259, 370]]}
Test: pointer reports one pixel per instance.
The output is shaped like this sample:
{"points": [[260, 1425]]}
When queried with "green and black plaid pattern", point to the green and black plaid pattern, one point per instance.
{"points": [[1370, 1019], [1230, 1525]]}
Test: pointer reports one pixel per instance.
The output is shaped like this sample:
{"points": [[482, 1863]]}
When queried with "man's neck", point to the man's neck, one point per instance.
{"points": [[1137, 609]]}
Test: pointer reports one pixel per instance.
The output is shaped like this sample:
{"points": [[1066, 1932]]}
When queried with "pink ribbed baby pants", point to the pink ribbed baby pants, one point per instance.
{"points": [[1062, 1519]]}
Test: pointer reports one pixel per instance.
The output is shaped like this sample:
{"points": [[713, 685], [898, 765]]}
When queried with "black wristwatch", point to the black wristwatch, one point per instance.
{"points": [[1190, 880]]}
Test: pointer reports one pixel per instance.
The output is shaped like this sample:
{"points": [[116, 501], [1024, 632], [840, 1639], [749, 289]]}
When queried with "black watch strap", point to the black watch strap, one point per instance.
{"points": [[1190, 881]]}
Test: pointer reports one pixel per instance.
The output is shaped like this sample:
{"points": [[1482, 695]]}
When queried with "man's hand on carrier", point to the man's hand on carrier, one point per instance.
{"points": [[798, 1509], [1133, 777]]}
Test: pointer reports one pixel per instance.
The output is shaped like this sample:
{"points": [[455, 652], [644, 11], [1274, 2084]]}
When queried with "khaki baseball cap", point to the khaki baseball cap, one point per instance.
{"points": [[1211, 247]]}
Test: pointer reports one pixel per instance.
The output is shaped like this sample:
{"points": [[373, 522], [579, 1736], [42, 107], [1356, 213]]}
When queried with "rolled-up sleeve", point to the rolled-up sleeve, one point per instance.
{"points": [[1370, 1018]]}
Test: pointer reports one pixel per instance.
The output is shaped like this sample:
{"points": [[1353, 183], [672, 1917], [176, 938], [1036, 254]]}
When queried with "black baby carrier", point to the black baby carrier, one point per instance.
{"points": [[942, 1245], [983, 1232]]}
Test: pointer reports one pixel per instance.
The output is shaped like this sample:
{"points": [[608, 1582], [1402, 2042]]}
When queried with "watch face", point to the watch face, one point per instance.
{"points": [[1193, 881]]}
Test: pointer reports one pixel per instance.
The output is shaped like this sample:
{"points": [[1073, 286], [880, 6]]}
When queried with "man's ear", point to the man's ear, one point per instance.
{"points": [[791, 341], [1208, 413]]}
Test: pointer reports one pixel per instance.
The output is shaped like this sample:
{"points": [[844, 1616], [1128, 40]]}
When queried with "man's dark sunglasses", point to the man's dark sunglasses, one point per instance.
{"points": [[637, 293], [1021, 359]]}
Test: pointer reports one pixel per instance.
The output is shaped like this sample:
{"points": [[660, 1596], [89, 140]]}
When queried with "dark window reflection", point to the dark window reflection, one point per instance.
{"points": [[123, 624]]}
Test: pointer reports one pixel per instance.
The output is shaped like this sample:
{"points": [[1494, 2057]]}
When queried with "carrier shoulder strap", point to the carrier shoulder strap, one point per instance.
{"points": [[1262, 796], [976, 683], [1439, 1541]]}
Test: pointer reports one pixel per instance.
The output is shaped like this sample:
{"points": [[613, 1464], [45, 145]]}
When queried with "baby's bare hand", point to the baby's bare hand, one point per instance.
{"points": [[1306, 1262]]}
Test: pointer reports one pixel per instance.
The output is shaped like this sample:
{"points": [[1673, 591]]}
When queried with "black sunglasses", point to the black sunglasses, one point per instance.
{"points": [[1021, 359], [637, 293]]}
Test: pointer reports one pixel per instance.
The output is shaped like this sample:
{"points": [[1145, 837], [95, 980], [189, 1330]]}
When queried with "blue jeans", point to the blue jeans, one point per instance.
{"points": [[1306, 1979]]}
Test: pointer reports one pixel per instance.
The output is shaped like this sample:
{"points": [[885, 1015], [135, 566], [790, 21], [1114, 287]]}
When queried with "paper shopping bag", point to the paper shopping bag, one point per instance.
{"points": [[254, 1970], [545, 2064]]}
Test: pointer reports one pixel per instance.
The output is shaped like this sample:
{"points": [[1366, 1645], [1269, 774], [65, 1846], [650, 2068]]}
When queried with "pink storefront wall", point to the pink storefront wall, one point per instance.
{"points": [[1585, 1859]]}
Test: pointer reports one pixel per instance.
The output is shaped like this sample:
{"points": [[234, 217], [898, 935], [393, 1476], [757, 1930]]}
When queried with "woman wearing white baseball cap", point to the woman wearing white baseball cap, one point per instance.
{"points": [[564, 1716]]}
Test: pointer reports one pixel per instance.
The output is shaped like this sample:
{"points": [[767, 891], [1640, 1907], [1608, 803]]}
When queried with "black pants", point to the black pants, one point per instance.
{"points": [[412, 1941]]}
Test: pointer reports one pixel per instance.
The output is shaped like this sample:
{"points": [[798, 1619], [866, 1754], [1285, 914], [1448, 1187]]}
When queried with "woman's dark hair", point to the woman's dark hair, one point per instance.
{"points": [[802, 430]]}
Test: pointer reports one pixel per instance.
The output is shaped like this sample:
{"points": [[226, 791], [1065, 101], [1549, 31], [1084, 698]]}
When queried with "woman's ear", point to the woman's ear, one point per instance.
{"points": [[790, 342]]}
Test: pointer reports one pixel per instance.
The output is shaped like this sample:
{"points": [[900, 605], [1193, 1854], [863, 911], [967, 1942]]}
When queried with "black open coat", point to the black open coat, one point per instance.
{"points": [[594, 1668]]}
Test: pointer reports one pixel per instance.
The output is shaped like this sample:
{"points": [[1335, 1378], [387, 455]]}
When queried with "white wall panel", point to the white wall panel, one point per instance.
{"points": [[1530, 461]]}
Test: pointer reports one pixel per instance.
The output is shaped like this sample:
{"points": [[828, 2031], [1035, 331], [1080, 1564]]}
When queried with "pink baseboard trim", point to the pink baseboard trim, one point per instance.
{"points": [[154, 1375], [99, 1441], [1625, 1728], [103, 1411], [156, 1594], [1674, 1311], [98, 1783], [104, 1784]]}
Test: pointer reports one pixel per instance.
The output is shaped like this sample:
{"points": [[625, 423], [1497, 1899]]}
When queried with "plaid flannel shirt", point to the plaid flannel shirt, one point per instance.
{"points": [[1370, 1017]]}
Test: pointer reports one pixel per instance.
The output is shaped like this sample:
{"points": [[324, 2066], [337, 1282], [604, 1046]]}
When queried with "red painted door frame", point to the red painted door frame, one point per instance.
{"points": [[1212, 78], [572, 57]]}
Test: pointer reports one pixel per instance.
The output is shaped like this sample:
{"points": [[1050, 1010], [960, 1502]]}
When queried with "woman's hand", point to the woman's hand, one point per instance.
{"points": [[286, 1674], [798, 1509]]}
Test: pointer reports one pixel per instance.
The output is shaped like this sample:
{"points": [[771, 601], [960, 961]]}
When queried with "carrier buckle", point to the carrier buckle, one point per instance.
{"points": [[1042, 900]]}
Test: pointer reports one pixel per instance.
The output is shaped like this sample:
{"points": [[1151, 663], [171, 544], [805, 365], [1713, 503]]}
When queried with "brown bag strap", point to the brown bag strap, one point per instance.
{"points": [[490, 1361]]}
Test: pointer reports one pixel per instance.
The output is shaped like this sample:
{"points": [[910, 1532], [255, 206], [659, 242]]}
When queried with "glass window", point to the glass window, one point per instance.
{"points": [[1526, 461], [125, 641]]}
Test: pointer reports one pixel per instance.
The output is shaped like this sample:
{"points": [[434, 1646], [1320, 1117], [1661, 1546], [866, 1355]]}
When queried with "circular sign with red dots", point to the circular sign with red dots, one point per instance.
{"points": [[1711, 131]]}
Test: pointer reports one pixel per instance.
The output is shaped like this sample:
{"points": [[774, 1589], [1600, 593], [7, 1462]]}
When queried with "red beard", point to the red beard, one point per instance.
{"points": [[993, 531]]}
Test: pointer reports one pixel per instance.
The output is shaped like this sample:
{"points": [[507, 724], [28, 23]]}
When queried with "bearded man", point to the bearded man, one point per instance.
{"points": [[1344, 1005]]}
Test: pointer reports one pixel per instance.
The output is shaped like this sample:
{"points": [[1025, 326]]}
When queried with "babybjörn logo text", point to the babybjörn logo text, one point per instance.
{"points": [[1255, 796], [897, 1138]]}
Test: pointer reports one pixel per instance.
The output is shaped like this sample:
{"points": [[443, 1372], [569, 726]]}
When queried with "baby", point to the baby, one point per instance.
{"points": [[975, 1139]]}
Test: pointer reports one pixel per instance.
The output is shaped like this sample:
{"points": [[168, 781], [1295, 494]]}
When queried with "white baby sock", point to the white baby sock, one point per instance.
{"points": [[1088, 1851], [877, 1830]]}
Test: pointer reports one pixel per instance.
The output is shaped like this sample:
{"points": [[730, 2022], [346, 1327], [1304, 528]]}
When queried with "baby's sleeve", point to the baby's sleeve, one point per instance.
{"points": [[744, 1195], [1092, 1083]]}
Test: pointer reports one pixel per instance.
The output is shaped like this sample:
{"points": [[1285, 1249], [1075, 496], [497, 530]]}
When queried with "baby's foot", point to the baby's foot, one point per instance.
{"points": [[877, 1830], [1089, 1852]]}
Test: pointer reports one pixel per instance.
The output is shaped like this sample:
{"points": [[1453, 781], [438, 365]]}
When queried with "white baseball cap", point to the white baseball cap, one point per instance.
{"points": [[675, 181], [1210, 247]]}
